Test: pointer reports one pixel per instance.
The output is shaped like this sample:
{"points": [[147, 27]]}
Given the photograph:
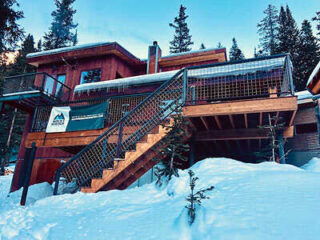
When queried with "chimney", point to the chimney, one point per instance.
{"points": [[154, 55]]}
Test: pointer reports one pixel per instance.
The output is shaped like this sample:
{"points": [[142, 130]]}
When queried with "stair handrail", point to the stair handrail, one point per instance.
{"points": [[117, 124]]}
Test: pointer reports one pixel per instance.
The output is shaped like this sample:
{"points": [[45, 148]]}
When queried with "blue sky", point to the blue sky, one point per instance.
{"points": [[135, 24]]}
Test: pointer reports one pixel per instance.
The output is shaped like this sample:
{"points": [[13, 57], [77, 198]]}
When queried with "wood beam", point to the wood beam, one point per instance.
{"points": [[239, 134], [260, 118], [241, 107], [216, 118], [246, 120], [292, 117], [231, 121], [277, 118], [203, 120]]}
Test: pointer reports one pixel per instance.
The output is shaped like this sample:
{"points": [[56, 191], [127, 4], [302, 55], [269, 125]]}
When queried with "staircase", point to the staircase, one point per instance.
{"points": [[124, 152], [132, 166]]}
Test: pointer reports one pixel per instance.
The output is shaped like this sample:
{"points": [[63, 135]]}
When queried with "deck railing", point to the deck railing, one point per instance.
{"points": [[194, 85], [118, 106], [34, 83]]}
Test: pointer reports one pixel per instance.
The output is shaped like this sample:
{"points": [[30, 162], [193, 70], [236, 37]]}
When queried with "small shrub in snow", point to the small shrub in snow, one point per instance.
{"points": [[171, 149], [194, 198]]}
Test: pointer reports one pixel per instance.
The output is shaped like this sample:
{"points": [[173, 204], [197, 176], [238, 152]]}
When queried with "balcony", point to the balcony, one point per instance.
{"points": [[28, 90]]}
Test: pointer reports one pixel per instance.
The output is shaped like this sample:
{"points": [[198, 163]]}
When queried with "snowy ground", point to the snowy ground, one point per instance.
{"points": [[262, 201]]}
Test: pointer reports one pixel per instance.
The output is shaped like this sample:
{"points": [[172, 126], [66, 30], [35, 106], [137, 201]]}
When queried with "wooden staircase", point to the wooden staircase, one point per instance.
{"points": [[134, 165]]}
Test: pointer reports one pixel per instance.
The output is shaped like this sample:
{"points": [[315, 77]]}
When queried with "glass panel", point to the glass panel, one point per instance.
{"points": [[59, 89], [90, 76], [49, 84]]}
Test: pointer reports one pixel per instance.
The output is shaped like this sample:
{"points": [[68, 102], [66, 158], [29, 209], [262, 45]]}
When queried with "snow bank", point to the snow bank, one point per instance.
{"points": [[250, 201], [313, 165]]}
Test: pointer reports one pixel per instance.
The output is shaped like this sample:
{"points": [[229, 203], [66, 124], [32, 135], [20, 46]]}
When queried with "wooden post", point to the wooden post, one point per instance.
{"points": [[191, 157], [282, 155], [31, 156]]}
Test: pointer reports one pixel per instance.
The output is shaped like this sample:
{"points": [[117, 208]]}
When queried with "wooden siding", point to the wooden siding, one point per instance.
{"points": [[305, 116]]}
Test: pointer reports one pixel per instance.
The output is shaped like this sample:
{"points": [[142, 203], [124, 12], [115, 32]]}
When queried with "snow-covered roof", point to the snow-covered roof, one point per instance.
{"points": [[240, 68], [303, 96], [123, 82], [314, 72], [68, 49], [191, 52]]}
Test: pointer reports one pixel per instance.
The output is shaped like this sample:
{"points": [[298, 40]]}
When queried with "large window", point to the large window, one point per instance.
{"points": [[90, 76], [59, 89]]}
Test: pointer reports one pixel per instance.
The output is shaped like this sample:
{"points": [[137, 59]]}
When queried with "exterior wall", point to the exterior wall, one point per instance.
{"points": [[110, 65], [304, 146]]}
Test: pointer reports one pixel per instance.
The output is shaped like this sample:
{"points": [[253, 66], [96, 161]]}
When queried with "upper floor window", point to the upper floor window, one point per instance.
{"points": [[59, 89], [90, 76]]}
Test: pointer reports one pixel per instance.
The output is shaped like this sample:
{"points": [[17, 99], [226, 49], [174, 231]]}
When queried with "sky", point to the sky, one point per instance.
{"points": [[136, 24]]}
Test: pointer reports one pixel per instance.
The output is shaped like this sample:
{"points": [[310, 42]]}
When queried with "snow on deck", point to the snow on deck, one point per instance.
{"points": [[250, 201]]}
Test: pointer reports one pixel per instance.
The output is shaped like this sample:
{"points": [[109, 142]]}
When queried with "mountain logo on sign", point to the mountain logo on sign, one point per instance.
{"points": [[58, 120]]}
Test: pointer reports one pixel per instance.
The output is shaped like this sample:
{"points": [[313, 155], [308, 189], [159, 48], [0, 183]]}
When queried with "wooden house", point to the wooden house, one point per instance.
{"points": [[96, 112]]}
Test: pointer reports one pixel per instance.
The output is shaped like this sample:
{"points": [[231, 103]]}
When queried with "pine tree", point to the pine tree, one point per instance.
{"points": [[39, 46], [288, 35], [289, 38], [172, 154], [268, 30], [182, 39], [202, 46], [271, 151], [308, 56], [60, 32], [317, 19], [194, 198], [21, 66], [235, 53], [10, 31], [219, 45]]}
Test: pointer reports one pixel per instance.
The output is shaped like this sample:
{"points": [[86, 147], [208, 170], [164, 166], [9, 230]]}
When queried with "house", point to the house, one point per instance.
{"points": [[96, 111]]}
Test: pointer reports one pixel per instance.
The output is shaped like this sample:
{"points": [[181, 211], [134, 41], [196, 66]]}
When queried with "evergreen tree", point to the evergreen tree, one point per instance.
{"points": [[317, 19], [289, 38], [202, 46], [308, 56], [194, 198], [60, 32], [268, 30], [39, 46], [21, 66], [182, 39], [10, 31], [219, 45], [235, 53], [172, 150]]}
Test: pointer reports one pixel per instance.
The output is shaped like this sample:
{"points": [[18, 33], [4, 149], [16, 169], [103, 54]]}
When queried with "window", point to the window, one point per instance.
{"points": [[49, 84], [59, 89], [306, 128], [90, 76]]}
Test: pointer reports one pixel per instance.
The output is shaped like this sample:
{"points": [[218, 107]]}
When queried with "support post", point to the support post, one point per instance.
{"points": [[184, 86], [119, 140], [192, 148], [282, 155], [28, 173]]}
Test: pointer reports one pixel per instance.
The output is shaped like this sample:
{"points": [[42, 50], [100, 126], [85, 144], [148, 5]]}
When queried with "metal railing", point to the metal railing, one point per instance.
{"points": [[193, 85], [36, 82], [118, 106]]}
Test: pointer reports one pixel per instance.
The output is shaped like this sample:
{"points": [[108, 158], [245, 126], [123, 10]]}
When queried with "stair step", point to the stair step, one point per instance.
{"points": [[118, 159]]}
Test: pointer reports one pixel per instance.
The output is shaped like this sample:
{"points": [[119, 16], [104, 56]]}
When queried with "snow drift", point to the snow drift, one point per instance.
{"points": [[250, 201]]}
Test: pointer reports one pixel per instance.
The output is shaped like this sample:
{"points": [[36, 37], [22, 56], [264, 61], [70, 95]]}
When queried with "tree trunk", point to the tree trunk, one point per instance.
{"points": [[7, 155]]}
